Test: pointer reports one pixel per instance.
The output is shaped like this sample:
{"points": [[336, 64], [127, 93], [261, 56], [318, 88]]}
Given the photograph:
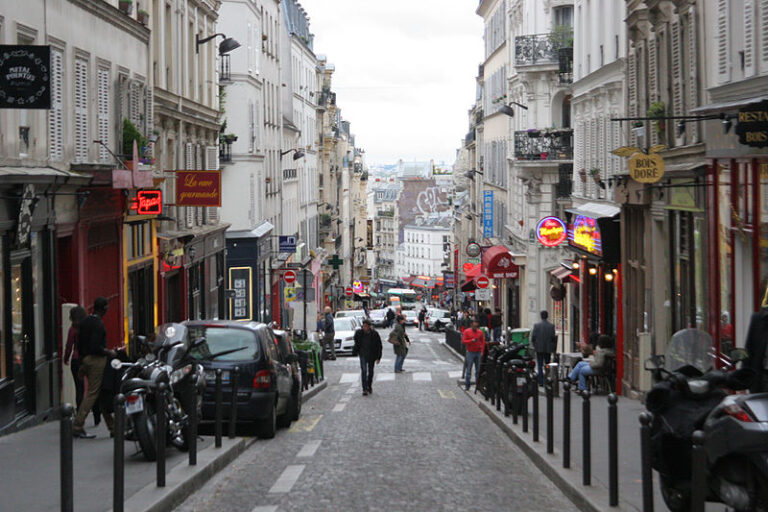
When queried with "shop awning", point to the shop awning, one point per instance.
{"points": [[727, 105], [498, 263], [596, 210], [561, 273], [420, 282], [408, 279], [469, 285]]}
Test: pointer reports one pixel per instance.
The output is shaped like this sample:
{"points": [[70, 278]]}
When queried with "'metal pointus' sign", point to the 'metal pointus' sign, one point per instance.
{"points": [[25, 78]]}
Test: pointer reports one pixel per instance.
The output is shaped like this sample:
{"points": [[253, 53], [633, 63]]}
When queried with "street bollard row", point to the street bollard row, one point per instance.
{"points": [[118, 460], [219, 409], [233, 402]]}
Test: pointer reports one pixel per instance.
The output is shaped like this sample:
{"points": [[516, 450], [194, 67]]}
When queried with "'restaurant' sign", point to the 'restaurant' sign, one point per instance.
{"points": [[551, 231], [198, 188], [585, 234], [752, 127], [25, 78]]}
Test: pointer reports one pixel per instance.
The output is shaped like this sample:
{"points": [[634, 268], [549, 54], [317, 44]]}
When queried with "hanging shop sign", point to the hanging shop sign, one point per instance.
{"points": [[752, 127], [198, 188], [357, 287], [369, 235], [551, 231], [146, 202], [25, 78], [473, 250], [240, 279], [585, 235], [488, 213], [644, 168], [26, 211]]}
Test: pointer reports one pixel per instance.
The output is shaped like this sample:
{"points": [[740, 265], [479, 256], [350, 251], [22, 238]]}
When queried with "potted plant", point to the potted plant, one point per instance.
{"points": [[595, 173], [658, 109], [533, 133], [130, 134], [143, 17], [583, 175], [126, 6]]}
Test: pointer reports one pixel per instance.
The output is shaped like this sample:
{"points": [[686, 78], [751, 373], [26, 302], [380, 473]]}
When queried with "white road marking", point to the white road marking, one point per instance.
{"points": [[351, 390], [339, 407], [422, 376], [349, 377], [454, 375], [426, 341], [345, 398], [309, 449], [288, 478], [381, 377], [265, 508]]}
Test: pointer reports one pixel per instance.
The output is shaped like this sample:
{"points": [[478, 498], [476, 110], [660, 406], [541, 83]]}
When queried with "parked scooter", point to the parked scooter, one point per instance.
{"points": [[690, 395], [518, 367]]}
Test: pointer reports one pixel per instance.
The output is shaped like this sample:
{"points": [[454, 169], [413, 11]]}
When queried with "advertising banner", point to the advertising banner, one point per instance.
{"points": [[25, 76], [488, 213], [198, 188]]}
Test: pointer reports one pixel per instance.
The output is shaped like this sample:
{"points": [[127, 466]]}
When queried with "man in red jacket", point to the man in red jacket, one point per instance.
{"points": [[474, 341]]}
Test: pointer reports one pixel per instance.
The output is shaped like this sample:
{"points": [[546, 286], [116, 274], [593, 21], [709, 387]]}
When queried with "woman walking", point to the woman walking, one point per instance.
{"points": [[71, 356]]}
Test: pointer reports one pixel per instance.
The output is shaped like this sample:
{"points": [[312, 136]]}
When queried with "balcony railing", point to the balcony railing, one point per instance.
{"points": [[544, 145], [469, 138], [539, 49], [385, 213], [289, 174], [225, 151]]}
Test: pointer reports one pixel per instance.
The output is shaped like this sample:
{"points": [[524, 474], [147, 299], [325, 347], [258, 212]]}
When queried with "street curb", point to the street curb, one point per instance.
{"points": [[586, 498], [452, 351], [183, 480]]}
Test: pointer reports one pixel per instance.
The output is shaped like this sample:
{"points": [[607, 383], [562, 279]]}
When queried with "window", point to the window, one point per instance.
{"points": [[81, 110], [56, 115], [563, 16], [103, 114]]}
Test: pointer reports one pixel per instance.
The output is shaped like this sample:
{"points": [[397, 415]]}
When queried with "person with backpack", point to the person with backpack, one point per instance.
{"points": [[390, 317], [399, 339]]}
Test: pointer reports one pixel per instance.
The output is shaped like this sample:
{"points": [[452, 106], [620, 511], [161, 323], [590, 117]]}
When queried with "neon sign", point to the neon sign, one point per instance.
{"points": [[585, 234], [148, 202], [551, 231]]}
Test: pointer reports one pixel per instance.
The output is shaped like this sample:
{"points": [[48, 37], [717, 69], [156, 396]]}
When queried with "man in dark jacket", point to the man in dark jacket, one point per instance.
{"points": [[368, 349], [544, 341], [329, 331], [496, 322], [757, 338], [390, 317], [93, 352]]}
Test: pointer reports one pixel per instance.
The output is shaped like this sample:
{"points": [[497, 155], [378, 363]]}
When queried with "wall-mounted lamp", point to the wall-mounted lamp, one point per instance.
{"points": [[592, 271], [575, 265], [296, 155], [507, 109], [226, 46], [609, 277]]}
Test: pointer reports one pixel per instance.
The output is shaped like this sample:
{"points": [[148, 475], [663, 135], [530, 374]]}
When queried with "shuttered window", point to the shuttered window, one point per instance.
{"points": [[750, 66], [149, 111], [763, 31], [56, 113], [81, 110], [189, 164], [103, 114], [723, 43], [693, 73], [652, 68], [677, 86], [212, 164]]}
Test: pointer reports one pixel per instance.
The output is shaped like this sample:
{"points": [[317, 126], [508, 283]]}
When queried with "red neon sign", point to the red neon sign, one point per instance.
{"points": [[551, 231], [148, 202]]}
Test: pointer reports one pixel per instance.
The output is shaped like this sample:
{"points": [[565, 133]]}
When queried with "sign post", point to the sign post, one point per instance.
{"points": [[289, 276]]}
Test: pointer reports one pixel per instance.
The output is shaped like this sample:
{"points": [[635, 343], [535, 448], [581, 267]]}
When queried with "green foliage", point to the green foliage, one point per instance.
{"points": [[130, 134], [658, 109], [561, 37]]}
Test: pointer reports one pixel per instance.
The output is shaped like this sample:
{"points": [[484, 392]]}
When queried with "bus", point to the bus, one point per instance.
{"points": [[404, 298]]}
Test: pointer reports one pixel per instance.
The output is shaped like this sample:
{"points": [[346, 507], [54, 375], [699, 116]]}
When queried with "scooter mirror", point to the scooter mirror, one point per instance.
{"points": [[199, 341], [738, 354], [150, 357], [115, 363]]}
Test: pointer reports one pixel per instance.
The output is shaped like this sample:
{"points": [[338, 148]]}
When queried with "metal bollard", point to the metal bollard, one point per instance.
{"points": [[550, 419], [161, 426], [497, 385], [233, 402], [645, 458], [66, 458], [193, 423], [118, 466], [566, 425], [698, 473], [218, 408], [505, 388], [613, 451], [524, 400], [586, 433], [535, 384], [515, 396]]}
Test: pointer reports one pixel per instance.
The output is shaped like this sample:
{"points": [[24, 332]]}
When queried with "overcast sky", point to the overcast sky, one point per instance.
{"points": [[405, 72]]}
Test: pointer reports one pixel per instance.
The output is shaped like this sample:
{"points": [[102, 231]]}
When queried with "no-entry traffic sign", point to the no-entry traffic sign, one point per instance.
{"points": [[289, 276], [349, 291], [482, 282]]}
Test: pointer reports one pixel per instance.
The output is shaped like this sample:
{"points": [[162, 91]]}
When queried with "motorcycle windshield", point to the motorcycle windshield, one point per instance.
{"points": [[690, 347]]}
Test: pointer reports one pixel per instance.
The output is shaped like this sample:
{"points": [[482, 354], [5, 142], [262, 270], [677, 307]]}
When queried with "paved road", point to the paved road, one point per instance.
{"points": [[417, 443]]}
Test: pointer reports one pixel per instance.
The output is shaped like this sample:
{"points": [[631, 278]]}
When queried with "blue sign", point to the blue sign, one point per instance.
{"points": [[488, 213], [287, 243]]}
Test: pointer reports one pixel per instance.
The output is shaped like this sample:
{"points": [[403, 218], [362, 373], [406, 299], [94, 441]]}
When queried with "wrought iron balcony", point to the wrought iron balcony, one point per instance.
{"points": [[469, 138], [537, 49], [225, 151], [544, 145]]}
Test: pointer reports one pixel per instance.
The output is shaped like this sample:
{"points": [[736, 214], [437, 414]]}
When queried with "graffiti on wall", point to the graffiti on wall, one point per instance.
{"points": [[419, 197]]}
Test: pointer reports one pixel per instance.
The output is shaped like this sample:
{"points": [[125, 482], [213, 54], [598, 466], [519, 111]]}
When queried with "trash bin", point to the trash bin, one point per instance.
{"points": [[520, 335], [312, 348]]}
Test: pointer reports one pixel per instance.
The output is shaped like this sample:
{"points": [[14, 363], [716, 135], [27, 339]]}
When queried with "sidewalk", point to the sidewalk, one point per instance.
{"points": [[31, 482]]}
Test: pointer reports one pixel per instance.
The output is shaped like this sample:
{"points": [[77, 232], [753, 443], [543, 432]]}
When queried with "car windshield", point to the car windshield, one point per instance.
{"points": [[221, 339], [344, 324], [409, 313]]}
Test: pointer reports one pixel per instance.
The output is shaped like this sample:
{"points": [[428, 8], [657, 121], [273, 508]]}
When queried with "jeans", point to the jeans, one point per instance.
{"points": [[74, 365], [581, 371], [496, 333], [542, 360], [366, 372], [399, 362], [329, 346], [472, 358]]}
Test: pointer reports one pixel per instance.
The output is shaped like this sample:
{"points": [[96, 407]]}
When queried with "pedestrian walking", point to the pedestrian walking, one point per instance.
{"points": [[390, 317], [544, 341], [474, 341], [422, 318], [496, 322], [400, 340], [93, 352], [329, 332], [368, 349], [71, 356]]}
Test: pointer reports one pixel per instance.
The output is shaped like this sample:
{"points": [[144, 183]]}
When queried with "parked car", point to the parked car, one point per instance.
{"points": [[378, 317], [345, 333], [438, 319], [357, 314], [269, 382], [411, 316]]}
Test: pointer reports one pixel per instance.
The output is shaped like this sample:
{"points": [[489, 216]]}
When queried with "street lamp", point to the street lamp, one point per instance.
{"points": [[507, 109], [226, 46], [296, 155]]}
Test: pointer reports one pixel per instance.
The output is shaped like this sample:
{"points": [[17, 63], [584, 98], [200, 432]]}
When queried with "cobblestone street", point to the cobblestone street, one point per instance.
{"points": [[417, 443]]}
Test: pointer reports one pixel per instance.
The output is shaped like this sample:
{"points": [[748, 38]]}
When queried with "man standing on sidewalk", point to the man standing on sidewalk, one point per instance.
{"points": [[368, 349], [93, 352], [474, 341], [544, 341], [329, 332]]}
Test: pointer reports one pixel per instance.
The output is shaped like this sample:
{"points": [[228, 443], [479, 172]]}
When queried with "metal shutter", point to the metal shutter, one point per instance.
{"points": [[56, 114], [677, 86], [763, 24]]}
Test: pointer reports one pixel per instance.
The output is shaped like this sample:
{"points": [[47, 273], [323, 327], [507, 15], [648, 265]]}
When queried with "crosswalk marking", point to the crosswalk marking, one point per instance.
{"points": [[345, 398], [351, 390], [288, 478], [305, 423], [454, 375], [349, 377], [309, 449], [446, 394], [422, 376], [339, 407], [381, 377], [265, 508]]}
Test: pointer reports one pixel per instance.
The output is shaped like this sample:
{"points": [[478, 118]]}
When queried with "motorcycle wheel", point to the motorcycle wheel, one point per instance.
{"points": [[186, 431], [267, 427], [676, 499], [144, 427]]}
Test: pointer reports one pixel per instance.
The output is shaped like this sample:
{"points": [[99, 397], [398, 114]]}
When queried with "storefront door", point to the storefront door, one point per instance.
{"points": [[22, 332]]}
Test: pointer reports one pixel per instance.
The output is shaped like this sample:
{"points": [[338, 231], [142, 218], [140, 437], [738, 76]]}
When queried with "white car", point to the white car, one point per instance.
{"points": [[344, 337], [411, 317], [438, 319], [378, 317], [357, 314]]}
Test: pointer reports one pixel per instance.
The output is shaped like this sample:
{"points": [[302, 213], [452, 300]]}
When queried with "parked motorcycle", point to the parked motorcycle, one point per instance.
{"points": [[690, 395], [517, 374]]}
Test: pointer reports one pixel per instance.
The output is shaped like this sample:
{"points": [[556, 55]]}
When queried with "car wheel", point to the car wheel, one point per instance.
{"points": [[294, 410], [267, 427]]}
